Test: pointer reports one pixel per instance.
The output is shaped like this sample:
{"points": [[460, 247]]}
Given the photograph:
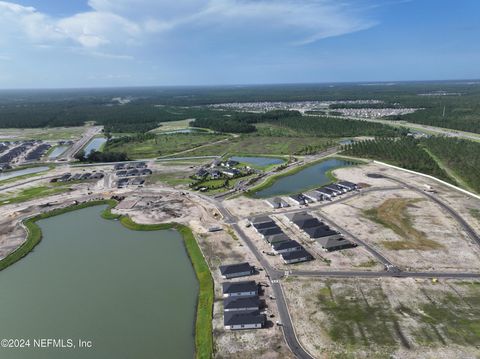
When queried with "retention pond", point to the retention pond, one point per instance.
{"points": [[309, 177], [94, 145], [258, 161], [133, 294], [23, 172]]}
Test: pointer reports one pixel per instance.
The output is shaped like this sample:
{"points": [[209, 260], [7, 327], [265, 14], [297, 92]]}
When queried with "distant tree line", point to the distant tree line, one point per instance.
{"points": [[335, 127], [404, 152], [461, 156], [241, 122]]}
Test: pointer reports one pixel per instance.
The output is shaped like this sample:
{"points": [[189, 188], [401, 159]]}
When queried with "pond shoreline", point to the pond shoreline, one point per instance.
{"points": [[204, 308], [270, 181]]}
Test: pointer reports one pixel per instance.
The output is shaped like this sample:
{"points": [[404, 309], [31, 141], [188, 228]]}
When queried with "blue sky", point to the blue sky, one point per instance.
{"points": [[90, 43]]}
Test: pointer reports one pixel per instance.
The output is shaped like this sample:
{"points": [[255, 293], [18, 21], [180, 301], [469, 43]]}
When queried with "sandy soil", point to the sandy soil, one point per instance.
{"points": [[458, 252], [388, 317]]}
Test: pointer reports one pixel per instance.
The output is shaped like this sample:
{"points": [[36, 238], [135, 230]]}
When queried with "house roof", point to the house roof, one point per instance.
{"points": [[318, 232], [308, 223], [242, 302], [264, 225], [298, 216], [260, 219], [277, 238], [329, 243], [235, 268], [302, 253], [236, 287], [286, 245], [243, 317], [270, 231], [298, 197]]}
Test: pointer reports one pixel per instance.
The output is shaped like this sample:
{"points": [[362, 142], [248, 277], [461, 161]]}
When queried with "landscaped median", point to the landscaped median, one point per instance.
{"points": [[203, 323]]}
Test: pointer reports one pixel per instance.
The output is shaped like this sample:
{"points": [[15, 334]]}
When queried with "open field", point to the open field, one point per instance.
{"points": [[394, 214], [46, 134], [172, 126], [416, 235], [32, 193], [252, 145], [164, 145], [372, 318]]}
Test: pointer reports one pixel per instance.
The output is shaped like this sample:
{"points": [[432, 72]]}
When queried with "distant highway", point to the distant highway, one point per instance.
{"points": [[415, 126]]}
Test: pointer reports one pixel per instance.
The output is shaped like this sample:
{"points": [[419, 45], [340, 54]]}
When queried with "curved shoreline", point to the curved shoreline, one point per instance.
{"points": [[270, 181], [204, 309]]}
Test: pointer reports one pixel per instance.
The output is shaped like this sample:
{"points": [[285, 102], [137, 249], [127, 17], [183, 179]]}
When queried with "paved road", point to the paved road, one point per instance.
{"points": [[466, 227], [89, 134], [275, 275], [382, 274], [414, 126]]}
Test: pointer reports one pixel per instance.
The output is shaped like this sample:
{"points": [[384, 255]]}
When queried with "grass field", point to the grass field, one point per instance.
{"points": [[393, 214], [32, 193], [165, 145], [46, 134], [261, 145], [373, 319]]}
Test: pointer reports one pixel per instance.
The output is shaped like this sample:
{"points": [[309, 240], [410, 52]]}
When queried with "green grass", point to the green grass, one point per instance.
{"points": [[393, 214], [46, 134], [448, 319], [475, 213], [171, 178], [246, 145], [165, 145], [204, 312], [33, 193], [354, 323]]}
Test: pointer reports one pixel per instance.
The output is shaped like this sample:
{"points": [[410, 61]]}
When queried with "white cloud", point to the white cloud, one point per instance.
{"points": [[115, 24]]}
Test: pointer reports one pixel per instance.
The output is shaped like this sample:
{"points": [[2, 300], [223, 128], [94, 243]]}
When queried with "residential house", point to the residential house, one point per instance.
{"points": [[284, 247], [296, 256], [244, 320], [236, 270], [240, 289], [241, 304], [335, 244]]}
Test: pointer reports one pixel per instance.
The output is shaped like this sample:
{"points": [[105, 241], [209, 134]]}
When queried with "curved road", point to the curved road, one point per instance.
{"points": [[275, 275]]}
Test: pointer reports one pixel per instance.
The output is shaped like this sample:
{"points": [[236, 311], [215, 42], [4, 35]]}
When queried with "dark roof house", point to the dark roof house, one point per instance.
{"points": [[241, 303], [236, 270], [296, 256], [244, 320], [240, 289]]}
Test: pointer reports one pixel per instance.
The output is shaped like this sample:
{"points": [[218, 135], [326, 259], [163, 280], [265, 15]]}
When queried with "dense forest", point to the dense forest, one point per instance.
{"points": [[405, 152], [96, 156], [242, 122], [461, 156], [335, 127], [141, 109]]}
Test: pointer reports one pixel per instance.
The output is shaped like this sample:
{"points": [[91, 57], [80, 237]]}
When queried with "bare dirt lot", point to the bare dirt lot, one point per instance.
{"points": [[387, 318], [425, 238]]}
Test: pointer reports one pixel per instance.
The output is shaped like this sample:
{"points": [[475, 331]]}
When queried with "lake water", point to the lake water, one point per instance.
{"points": [[26, 171], [57, 151], [310, 177], [133, 294], [258, 161], [94, 145]]}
